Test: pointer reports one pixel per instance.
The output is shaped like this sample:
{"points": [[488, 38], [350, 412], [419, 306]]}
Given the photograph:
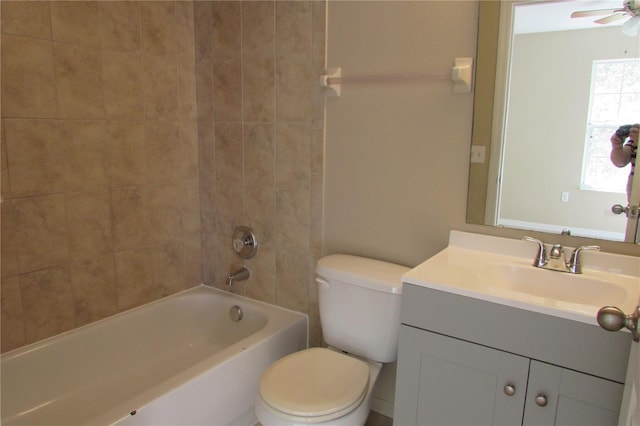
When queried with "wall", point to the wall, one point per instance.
{"points": [[548, 82], [397, 153], [260, 122], [100, 208]]}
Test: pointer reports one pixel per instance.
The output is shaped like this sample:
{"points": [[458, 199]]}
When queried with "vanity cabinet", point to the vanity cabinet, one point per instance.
{"points": [[464, 361]]}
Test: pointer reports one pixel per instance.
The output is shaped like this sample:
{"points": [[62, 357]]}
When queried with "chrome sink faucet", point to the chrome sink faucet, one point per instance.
{"points": [[556, 260]]}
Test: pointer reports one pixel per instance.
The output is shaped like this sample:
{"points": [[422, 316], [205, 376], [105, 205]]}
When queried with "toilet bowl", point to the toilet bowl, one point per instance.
{"points": [[359, 301]]}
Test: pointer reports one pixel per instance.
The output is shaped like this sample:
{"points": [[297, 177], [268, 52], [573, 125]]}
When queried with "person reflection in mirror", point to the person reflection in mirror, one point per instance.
{"points": [[623, 153]]}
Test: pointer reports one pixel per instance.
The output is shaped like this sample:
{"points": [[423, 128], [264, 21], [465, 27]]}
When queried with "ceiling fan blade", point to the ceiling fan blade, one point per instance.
{"points": [[610, 18], [597, 12]]}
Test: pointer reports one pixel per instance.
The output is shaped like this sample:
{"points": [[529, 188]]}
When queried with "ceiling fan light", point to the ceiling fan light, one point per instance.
{"points": [[631, 27]]}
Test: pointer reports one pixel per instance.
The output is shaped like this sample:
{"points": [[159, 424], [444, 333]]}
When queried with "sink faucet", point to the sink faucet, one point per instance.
{"points": [[556, 260], [239, 275]]}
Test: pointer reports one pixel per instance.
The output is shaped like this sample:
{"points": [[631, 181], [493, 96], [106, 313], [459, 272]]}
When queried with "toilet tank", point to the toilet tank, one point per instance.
{"points": [[359, 301]]}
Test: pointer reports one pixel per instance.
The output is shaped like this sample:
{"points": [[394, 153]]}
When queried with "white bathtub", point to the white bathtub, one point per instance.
{"points": [[177, 361]]}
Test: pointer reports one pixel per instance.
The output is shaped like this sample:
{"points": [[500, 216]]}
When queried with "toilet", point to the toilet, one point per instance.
{"points": [[359, 300]]}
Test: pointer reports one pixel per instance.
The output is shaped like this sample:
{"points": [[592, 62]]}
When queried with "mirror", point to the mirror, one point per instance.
{"points": [[533, 100]]}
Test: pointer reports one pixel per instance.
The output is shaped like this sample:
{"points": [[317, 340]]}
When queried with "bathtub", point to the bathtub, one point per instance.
{"points": [[176, 361]]}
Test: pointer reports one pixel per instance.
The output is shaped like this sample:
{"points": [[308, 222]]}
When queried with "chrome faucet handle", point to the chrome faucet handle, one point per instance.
{"points": [[541, 258], [557, 252], [574, 265]]}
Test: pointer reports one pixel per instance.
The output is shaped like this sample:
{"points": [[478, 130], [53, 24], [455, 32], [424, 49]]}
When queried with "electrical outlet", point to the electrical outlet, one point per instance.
{"points": [[477, 154], [565, 197]]}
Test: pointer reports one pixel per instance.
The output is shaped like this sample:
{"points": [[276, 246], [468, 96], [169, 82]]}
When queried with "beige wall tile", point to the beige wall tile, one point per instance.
{"points": [[293, 28], [158, 27], [162, 151], [189, 150], [76, 22], [192, 259], [5, 188], [122, 79], [226, 27], [85, 155], [293, 87], [165, 211], [47, 302], [169, 267], [28, 88], [42, 229], [127, 153], [134, 278], [229, 195], [89, 224], [34, 157], [8, 240], [262, 284], [79, 81], [209, 257], [160, 87], [203, 28], [26, 18], [191, 207], [229, 165], [259, 154], [227, 90], [11, 319], [293, 159], [94, 287], [258, 91], [130, 221], [120, 25], [292, 219], [260, 205], [292, 272]]}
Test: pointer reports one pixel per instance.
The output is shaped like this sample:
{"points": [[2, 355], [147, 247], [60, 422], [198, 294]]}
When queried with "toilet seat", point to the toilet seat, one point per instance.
{"points": [[315, 383]]}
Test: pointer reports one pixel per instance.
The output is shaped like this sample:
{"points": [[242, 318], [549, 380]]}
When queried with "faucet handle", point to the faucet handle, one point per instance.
{"points": [[541, 257], [574, 264]]}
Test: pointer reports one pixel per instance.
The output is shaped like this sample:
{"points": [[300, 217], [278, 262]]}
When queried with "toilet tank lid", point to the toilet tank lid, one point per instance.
{"points": [[363, 272]]}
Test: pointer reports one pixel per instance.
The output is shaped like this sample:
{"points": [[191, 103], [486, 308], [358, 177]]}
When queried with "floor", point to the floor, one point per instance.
{"points": [[376, 419]]}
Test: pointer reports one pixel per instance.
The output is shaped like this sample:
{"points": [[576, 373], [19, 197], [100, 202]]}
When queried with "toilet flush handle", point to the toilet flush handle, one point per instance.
{"points": [[324, 283]]}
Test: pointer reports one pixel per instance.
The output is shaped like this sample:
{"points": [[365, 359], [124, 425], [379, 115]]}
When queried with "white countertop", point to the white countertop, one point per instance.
{"points": [[461, 269]]}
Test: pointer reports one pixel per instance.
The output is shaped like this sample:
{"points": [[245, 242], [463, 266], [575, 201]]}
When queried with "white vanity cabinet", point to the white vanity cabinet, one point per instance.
{"points": [[464, 361]]}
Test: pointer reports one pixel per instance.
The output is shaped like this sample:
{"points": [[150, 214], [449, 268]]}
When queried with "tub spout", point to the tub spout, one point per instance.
{"points": [[239, 275]]}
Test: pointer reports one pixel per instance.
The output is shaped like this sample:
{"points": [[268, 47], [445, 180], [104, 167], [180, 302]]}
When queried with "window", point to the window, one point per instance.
{"points": [[614, 100]]}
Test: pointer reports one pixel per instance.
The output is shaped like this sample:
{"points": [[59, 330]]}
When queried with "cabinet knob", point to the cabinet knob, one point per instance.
{"points": [[509, 389], [541, 400]]}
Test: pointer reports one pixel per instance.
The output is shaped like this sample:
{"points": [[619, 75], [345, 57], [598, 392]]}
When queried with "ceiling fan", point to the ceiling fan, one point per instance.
{"points": [[630, 10]]}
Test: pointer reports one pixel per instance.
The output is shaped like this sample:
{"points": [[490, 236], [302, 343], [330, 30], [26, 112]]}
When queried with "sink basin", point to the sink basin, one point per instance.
{"points": [[552, 287]]}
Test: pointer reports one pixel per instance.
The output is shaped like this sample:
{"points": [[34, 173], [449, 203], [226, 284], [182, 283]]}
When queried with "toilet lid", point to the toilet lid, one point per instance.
{"points": [[315, 382]]}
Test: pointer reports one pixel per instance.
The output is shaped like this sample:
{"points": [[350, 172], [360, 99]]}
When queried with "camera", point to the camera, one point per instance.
{"points": [[624, 131]]}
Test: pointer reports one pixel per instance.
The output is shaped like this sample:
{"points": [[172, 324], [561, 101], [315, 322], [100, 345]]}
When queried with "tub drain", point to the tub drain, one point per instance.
{"points": [[235, 313]]}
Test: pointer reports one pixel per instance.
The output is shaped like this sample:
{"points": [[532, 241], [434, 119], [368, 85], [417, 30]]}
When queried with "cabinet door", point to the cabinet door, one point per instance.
{"points": [[571, 398], [446, 381]]}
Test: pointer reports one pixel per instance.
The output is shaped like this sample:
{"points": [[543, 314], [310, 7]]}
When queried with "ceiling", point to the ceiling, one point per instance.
{"points": [[545, 16]]}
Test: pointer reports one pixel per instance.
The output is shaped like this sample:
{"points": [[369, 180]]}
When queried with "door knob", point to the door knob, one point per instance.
{"points": [[612, 318], [630, 211], [541, 400]]}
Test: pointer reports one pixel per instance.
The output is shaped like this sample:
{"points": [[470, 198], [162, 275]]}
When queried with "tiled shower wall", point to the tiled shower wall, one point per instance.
{"points": [[104, 146], [260, 125], [100, 208]]}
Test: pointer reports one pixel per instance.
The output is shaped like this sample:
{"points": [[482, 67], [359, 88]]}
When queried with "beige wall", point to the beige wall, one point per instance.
{"points": [[397, 152], [260, 119], [100, 208]]}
